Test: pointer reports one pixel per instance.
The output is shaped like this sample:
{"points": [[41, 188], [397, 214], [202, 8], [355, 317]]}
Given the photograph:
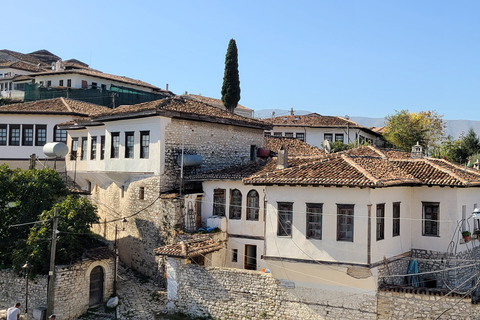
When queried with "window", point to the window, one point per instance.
{"points": [[253, 205], [83, 151], [380, 221], [144, 144], [73, 149], [285, 218], [59, 135], [235, 204], [396, 219], [3, 134], [94, 85], [14, 135], [277, 134], [84, 84], [49, 83], [27, 136], [115, 150], [289, 134], [253, 152], [141, 193], [102, 147], [431, 218], [93, 148], [122, 191], [267, 134], [300, 136], [60, 83], [104, 87], [328, 136], [69, 83], [129, 144], [219, 202], [234, 255], [345, 222], [314, 220], [40, 134], [339, 137]]}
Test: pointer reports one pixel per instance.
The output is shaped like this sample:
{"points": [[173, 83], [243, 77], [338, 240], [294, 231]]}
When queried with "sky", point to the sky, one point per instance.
{"points": [[356, 58]]}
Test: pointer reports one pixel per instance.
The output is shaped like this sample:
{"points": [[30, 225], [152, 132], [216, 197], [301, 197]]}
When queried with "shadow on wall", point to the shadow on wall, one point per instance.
{"points": [[137, 253]]}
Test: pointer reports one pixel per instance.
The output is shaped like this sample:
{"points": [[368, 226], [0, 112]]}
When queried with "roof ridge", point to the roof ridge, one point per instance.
{"points": [[362, 170], [447, 171], [382, 155], [66, 104]]}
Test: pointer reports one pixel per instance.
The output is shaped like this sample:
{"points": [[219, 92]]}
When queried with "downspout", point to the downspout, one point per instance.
{"points": [[369, 235], [264, 223]]}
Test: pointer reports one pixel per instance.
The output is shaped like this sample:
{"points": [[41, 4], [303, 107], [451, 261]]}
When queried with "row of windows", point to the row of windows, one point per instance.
{"points": [[114, 148], [329, 137], [61, 83], [298, 135], [28, 134], [345, 220], [235, 208], [7, 86]]}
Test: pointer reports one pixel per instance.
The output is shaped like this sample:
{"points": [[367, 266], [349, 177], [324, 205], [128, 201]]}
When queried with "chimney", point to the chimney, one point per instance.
{"points": [[282, 158], [166, 87], [417, 152]]}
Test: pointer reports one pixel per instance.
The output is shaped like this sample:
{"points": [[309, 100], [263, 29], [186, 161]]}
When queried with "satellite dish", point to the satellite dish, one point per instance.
{"points": [[326, 146]]}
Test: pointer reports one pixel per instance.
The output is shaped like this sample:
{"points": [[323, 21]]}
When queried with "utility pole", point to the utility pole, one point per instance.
{"points": [[51, 273], [181, 164]]}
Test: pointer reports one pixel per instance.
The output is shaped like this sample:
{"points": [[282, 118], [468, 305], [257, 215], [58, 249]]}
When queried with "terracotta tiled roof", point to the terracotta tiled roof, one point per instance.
{"points": [[95, 73], [54, 106], [214, 102], [99, 253], [21, 66], [369, 166], [197, 246], [294, 147], [182, 107], [22, 57], [311, 120]]}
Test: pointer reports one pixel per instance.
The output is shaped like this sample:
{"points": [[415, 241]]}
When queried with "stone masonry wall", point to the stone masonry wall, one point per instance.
{"points": [[72, 289], [13, 289], [398, 269], [219, 145], [224, 293], [394, 305], [150, 221]]}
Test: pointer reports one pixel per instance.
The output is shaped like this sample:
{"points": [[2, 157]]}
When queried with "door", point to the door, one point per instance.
{"points": [[198, 209], [96, 286], [250, 257]]}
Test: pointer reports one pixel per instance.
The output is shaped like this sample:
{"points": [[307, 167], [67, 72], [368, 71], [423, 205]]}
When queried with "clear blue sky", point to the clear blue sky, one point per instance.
{"points": [[357, 58]]}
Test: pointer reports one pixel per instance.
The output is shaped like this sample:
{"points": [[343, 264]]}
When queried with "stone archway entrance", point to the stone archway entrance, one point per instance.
{"points": [[96, 286]]}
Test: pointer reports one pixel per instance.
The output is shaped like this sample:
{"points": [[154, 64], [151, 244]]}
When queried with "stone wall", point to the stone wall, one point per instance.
{"points": [[150, 221], [234, 294], [219, 145], [402, 304], [72, 289], [395, 273], [13, 289]]}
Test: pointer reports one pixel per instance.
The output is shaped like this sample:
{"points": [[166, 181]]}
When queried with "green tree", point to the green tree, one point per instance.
{"points": [[24, 194], [231, 80], [404, 129], [470, 143], [75, 218]]}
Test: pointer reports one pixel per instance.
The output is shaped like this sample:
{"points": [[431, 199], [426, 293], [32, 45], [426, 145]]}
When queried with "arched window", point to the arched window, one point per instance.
{"points": [[235, 204], [253, 205]]}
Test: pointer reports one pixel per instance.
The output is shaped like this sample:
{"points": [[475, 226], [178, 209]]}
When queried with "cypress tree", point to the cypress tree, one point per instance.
{"points": [[231, 81]]}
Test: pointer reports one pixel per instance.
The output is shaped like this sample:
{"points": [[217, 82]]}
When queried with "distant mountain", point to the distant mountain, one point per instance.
{"points": [[454, 127]]}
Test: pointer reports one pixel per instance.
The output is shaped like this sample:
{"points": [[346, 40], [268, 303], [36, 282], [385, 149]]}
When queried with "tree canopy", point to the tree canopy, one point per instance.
{"points": [[461, 150], [404, 129], [231, 80]]}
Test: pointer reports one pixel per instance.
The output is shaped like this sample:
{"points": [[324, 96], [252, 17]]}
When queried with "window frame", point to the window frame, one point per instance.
{"points": [[285, 219], [253, 211], [235, 207], [3, 134], [343, 235], [83, 148], [317, 225], [328, 136], [74, 148], [93, 147], [129, 145], [102, 147], [300, 136], [115, 145], [395, 219], [380, 221], [219, 202], [40, 135], [14, 139], [430, 223], [337, 135], [25, 135], [59, 135], [144, 144]]}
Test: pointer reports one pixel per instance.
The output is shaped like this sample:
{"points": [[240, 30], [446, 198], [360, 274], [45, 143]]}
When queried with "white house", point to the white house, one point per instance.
{"points": [[26, 127], [314, 129], [330, 227]]}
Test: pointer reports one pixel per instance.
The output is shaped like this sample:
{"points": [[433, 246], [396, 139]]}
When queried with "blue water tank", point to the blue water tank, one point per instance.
{"points": [[190, 160]]}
